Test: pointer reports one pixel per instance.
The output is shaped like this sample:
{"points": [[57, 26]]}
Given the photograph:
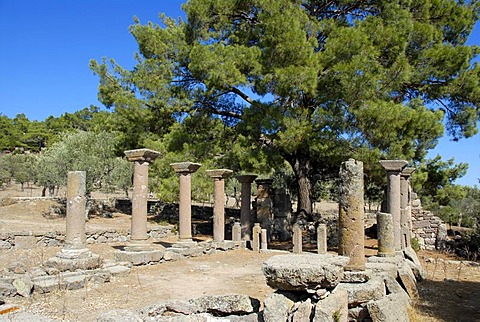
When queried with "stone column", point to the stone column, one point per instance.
{"points": [[297, 239], [264, 202], [405, 205], [264, 245], [385, 235], [257, 230], [141, 158], [394, 168], [245, 211], [219, 176], [75, 238], [322, 239], [351, 214], [184, 170], [236, 232]]}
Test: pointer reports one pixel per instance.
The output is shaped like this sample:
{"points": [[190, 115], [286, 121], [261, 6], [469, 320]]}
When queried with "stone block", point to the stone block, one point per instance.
{"points": [[301, 311], [118, 270], [408, 281], [25, 317], [356, 276], [277, 307], [393, 307], [334, 308], [172, 256], [64, 263], [25, 242], [359, 293], [299, 272], [226, 304], [7, 289], [120, 315], [139, 257], [23, 285], [5, 245]]}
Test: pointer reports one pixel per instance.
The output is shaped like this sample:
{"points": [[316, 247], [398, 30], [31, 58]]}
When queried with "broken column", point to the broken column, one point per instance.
{"points": [[351, 214], [406, 208], [75, 254], [237, 232], [245, 211], [264, 245], [184, 171], [297, 239], [322, 239], [394, 168], [385, 235], [141, 159], [264, 202], [219, 176], [257, 230]]}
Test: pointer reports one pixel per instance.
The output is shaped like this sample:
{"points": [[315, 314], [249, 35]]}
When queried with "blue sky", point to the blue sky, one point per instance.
{"points": [[45, 47]]}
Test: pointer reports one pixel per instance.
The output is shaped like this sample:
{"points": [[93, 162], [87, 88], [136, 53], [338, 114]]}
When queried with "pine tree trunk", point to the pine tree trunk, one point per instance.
{"points": [[302, 169]]}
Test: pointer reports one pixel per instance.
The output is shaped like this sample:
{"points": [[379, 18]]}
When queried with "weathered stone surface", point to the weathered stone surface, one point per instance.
{"points": [[120, 315], [392, 286], [301, 311], [359, 293], [351, 214], [334, 308], [67, 264], [226, 304], [356, 276], [172, 256], [277, 307], [415, 264], [5, 245], [25, 317], [23, 285], [7, 289], [407, 279], [139, 257], [71, 281], [359, 313], [393, 307], [118, 270], [298, 272]]}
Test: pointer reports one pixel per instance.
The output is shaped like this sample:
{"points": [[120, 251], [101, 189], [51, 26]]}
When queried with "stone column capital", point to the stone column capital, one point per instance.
{"points": [[185, 167], [393, 165], [142, 155], [246, 178], [407, 172], [219, 173]]}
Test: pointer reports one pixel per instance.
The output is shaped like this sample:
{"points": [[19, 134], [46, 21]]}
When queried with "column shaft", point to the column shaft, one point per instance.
{"points": [[75, 231], [219, 210], [351, 214], [185, 207], [139, 201]]}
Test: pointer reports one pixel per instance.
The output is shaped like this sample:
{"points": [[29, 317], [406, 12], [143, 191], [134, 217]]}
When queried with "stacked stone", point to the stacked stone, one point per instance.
{"points": [[313, 287], [427, 228]]}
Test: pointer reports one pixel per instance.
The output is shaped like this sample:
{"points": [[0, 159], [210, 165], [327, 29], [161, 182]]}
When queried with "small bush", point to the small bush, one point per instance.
{"points": [[415, 244]]}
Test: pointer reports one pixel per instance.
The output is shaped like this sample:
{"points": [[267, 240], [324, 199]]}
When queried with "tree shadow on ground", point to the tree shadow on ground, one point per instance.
{"points": [[449, 300]]}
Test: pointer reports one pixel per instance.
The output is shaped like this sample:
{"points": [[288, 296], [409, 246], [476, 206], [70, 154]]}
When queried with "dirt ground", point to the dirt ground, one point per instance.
{"points": [[450, 293]]}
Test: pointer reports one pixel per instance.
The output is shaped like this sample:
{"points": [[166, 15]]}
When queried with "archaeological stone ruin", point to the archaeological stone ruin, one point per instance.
{"points": [[323, 284]]}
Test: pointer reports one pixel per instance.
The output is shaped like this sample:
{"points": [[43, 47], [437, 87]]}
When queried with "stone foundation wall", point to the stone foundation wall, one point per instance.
{"points": [[428, 229], [28, 239]]}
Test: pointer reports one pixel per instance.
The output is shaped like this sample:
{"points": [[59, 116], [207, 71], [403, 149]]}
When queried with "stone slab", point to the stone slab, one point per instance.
{"points": [[299, 272], [25, 242], [356, 276], [390, 308], [139, 257], [277, 307], [334, 308], [226, 304], [359, 293]]}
